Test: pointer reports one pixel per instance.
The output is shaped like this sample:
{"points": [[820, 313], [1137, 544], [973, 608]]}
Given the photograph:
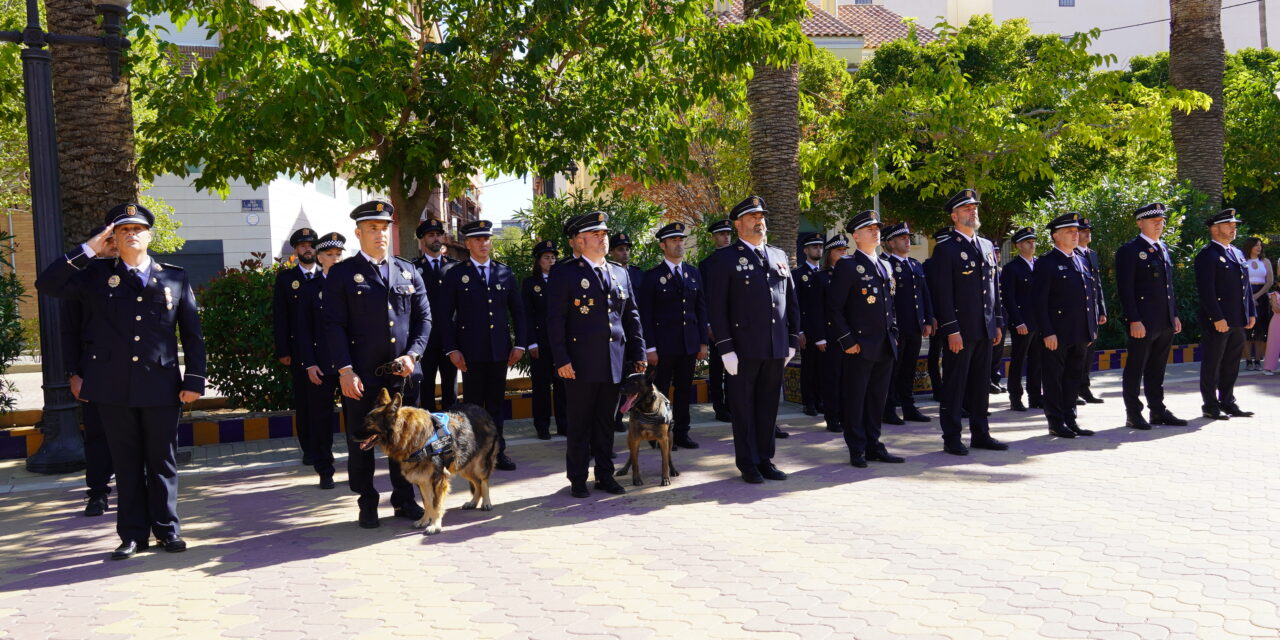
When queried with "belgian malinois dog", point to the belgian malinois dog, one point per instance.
{"points": [[648, 418], [432, 447]]}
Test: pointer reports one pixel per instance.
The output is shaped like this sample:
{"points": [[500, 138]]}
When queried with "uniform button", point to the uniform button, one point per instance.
{"points": [[393, 341], [359, 293], [135, 358], [490, 313], [139, 298], [137, 318], [137, 338], [391, 323], [490, 326]]}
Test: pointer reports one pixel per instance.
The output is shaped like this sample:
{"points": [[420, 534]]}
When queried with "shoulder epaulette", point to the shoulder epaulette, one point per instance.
{"points": [[612, 262], [166, 265]]}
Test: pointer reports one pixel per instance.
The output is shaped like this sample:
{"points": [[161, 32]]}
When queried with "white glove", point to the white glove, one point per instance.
{"points": [[791, 353], [730, 363]]}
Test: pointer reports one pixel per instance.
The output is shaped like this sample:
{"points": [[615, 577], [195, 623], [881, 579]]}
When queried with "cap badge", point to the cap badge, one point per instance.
{"points": [[379, 206], [131, 210], [755, 202], [113, 281]]}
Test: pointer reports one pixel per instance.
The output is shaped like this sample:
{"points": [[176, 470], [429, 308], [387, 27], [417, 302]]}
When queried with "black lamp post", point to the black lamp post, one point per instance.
{"points": [[63, 448]]}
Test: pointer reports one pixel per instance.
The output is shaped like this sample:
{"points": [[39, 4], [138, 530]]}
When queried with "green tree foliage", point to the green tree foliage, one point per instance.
{"points": [[990, 106], [235, 315], [11, 330], [13, 125]]}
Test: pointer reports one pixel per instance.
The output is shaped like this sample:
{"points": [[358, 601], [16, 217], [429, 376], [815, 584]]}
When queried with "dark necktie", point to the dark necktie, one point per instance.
{"points": [[308, 275], [483, 278], [604, 279], [763, 259], [137, 277]]}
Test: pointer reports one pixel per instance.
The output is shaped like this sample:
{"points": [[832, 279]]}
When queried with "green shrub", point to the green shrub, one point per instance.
{"points": [[11, 326], [235, 315]]}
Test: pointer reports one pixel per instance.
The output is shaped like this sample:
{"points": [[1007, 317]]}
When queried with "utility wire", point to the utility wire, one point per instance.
{"points": [[1143, 24]]}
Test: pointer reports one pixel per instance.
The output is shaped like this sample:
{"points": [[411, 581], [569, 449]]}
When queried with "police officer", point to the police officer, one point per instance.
{"points": [[432, 265], [933, 361], [548, 388], [593, 326], [813, 320], [1094, 264], [1018, 296], [131, 370], [1144, 282], [747, 282], [377, 321], [481, 312], [913, 313], [717, 382], [997, 350], [964, 288], [1067, 315], [673, 312], [312, 352], [1226, 311], [860, 306], [834, 249], [620, 252], [284, 310], [75, 345]]}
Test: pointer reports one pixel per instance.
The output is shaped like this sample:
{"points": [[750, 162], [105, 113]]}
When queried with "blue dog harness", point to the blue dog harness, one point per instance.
{"points": [[439, 444]]}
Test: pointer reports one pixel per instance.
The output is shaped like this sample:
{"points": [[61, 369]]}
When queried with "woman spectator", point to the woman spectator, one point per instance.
{"points": [[1261, 277], [1273, 335]]}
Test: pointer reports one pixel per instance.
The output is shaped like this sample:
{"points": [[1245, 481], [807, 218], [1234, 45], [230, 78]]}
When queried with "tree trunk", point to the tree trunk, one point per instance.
{"points": [[1197, 60], [95, 123], [773, 95]]}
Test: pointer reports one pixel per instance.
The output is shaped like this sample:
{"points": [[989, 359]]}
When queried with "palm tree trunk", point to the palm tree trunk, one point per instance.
{"points": [[95, 123], [1197, 60], [773, 94]]}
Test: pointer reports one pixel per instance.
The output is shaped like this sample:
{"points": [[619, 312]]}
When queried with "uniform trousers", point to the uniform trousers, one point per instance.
{"points": [[753, 400], [866, 386], [1063, 375], [485, 384], [717, 382], [965, 376], [997, 362], [360, 464], [678, 370], [97, 452], [1219, 366], [433, 362], [144, 447], [591, 407], [1144, 369], [1089, 353], [1026, 352], [320, 408], [548, 392], [902, 389], [933, 363], [832, 389], [302, 420], [810, 376]]}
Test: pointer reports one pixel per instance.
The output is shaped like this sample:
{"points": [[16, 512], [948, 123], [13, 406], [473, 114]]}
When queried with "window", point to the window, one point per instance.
{"points": [[1066, 3], [863, 1]]}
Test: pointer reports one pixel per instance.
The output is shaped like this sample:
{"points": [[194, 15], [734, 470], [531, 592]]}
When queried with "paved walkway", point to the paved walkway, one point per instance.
{"points": [[1173, 533]]}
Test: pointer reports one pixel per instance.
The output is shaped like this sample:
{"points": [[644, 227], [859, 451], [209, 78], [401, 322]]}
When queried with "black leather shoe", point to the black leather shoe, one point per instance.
{"points": [[409, 511], [1061, 432], [883, 455], [891, 417], [1092, 399], [1237, 412], [770, 472], [810, 411], [988, 443], [995, 388], [1137, 422], [609, 485], [1078, 431], [686, 443], [1216, 415], [1016, 404], [1035, 404], [912, 414], [579, 490], [96, 506], [752, 477], [544, 434], [369, 518], [1080, 402], [956, 449], [1167, 418], [857, 460], [173, 545], [326, 482], [128, 549], [779, 433], [834, 428], [505, 463], [723, 416]]}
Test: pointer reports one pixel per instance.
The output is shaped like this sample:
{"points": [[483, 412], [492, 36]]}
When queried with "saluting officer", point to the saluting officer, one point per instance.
{"points": [[312, 352], [594, 329], [673, 312], [131, 370], [834, 249], [377, 320], [1094, 263], [284, 311], [1067, 315], [542, 374], [913, 311], [813, 320], [717, 382], [860, 306], [1144, 281], [432, 265], [964, 286], [747, 282], [1018, 297], [481, 310], [75, 346], [1226, 311], [933, 361]]}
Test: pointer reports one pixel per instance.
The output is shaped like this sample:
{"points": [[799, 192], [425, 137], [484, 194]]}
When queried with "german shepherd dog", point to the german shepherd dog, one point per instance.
{"points": [[471, 451], [649, 418]]}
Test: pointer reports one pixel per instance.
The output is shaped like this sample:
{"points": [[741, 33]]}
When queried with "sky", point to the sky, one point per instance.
{"points": [[503, 196]]}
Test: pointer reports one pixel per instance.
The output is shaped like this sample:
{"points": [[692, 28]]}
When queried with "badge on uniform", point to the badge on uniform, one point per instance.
{"points": [[296, 284], [871, 299], [466, 279], [537, 288], [864, 291], [898, 268], [964, 256], [662, 280], [861, 269], [359, 277], [406, 275], [585, 284], [742, 260], [410, 288], [1222, 258], [168, 297], [804, 278], [113, 281], [1142, 255]]}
